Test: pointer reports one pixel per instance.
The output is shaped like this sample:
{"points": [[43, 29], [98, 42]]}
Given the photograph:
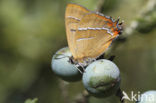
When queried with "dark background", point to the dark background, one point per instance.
{"points": [[31, 31]]}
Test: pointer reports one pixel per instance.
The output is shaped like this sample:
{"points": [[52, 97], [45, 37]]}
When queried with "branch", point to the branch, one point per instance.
{"points": [[64, 90], [120, 95], [143, 15], [82, 98]]}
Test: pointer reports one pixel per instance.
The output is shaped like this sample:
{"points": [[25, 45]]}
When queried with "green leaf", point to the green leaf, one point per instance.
{"points": [[31, 100]]}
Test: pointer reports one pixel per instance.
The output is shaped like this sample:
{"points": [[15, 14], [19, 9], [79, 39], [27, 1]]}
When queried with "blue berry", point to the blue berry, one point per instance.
{"points": [[148, 97], [101, 78], [63, 68]]}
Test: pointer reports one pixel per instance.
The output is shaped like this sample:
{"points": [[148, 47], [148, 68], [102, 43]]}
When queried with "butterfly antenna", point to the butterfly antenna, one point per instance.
{"points": [[117, 19]]}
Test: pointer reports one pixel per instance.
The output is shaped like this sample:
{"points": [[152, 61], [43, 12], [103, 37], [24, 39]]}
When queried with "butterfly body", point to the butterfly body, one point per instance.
{"points": [[89, 34]]}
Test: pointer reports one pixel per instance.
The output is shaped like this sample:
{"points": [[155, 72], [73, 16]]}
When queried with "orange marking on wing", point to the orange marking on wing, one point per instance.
{"points": [[102, 17], [116, 33], [110, 24], [112, 29]]}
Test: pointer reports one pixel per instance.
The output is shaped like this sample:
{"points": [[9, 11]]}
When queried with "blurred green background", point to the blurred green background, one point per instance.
{"points": [[31, 31]]}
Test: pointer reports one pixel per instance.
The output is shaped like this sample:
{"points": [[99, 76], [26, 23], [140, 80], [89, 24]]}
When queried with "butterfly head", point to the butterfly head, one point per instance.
{"points": [[119, 26]]}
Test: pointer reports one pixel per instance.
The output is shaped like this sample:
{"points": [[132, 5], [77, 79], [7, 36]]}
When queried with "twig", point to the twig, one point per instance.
{"points": [[120, 95], [64, 90], [82, 98], [149, 7], [100, 5]]}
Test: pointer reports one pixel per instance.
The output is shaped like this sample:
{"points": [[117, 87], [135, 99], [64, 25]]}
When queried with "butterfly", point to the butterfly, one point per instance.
{"points": [[89, 34]]}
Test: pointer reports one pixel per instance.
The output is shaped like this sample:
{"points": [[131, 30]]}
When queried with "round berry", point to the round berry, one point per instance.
{"points": [[62, 66], [148, 97], [101, 78]]}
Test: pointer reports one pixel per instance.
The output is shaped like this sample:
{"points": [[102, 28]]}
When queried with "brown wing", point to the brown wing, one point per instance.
{"points": [[73, 15], [94, 34]]}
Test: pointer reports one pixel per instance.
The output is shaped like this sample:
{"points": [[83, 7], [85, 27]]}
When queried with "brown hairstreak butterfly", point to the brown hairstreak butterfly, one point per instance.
{"points": [[89, 34]]}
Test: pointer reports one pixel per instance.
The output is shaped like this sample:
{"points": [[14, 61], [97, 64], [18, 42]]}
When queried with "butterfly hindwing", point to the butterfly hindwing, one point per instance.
{"points": [[94, 34]]}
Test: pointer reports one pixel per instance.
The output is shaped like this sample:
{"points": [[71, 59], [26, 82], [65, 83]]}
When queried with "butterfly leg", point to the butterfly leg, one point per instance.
{"points": [[83, 69], [77, 66]]}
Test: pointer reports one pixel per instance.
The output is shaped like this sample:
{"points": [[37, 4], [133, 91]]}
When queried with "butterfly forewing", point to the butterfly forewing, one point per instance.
{"points": [[73, 15]]}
